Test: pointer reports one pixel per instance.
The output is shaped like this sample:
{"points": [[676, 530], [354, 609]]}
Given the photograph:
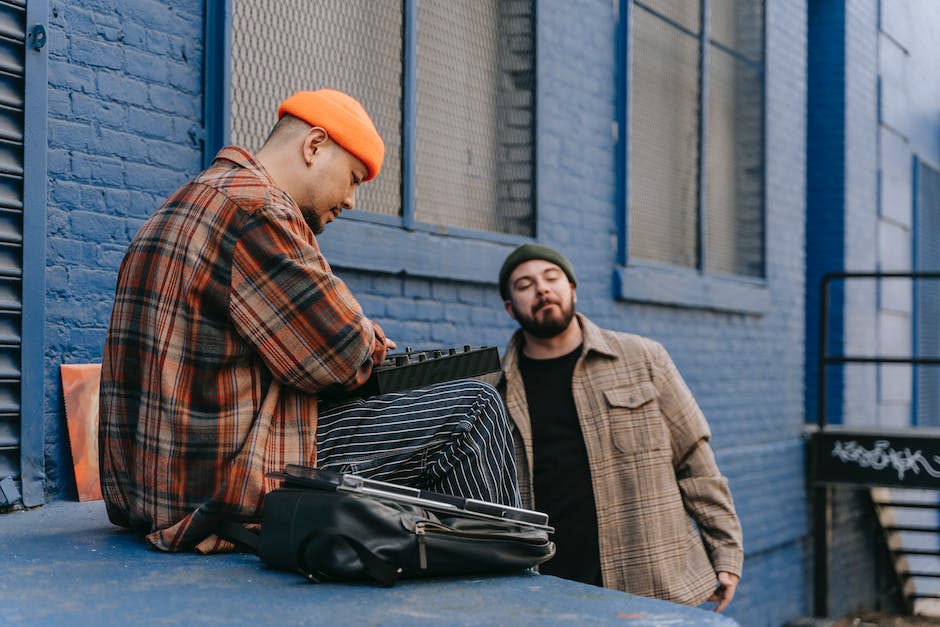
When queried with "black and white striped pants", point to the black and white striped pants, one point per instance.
{"points": [[451, 437]]}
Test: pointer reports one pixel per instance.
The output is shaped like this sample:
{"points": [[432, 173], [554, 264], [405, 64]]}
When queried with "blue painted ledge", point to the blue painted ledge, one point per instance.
{"points": [[64, 564]]}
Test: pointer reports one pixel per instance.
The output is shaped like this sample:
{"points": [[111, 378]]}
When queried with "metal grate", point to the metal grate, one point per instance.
{"points": [[475, 124], [739, 26], [734, 205], [685, 13], [12, 92], [474, 130], [927, 293], [664, 139], [284, 46], [666, 222]]}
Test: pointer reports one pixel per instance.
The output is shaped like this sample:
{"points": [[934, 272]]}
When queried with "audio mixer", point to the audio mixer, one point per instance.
{"points": [[417, 368]]}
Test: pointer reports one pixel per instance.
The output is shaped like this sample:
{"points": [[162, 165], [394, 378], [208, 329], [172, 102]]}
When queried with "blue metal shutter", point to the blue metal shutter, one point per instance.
{"points": [[13, 52]]}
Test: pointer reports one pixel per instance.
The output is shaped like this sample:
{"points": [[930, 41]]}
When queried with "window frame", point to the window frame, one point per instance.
{"points": [[369, 241], [646, 281]]}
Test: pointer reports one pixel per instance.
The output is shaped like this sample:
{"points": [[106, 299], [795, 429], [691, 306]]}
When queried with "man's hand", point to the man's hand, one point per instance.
{"points": [[382, 345], [728, 582]]}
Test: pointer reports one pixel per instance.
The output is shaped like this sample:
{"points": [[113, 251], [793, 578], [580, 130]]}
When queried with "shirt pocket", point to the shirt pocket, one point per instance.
{"points": [[636, 422]]}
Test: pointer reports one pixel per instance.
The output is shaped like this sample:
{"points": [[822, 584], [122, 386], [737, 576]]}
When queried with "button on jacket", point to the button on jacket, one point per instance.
{"points": [[227, 321], [651, 467]]}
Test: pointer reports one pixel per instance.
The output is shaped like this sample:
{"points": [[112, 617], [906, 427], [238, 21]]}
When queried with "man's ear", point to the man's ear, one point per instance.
{"points": [[574, 294], [507, 304], [313, 141]]}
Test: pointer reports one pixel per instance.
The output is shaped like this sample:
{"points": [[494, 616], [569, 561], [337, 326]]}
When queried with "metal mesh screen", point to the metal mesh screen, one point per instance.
{"points": [[664, 141], [687, 13], [927, 293], [666, 144], [738, 25], [734, 205], [475, 124], [283, 46]]}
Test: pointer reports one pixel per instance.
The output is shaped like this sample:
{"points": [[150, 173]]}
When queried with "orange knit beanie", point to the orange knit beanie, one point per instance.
{"points": [[344, 119]]}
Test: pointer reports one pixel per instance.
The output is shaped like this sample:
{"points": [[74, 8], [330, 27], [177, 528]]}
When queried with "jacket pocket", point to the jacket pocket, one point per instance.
{"points": [[636, 422]]}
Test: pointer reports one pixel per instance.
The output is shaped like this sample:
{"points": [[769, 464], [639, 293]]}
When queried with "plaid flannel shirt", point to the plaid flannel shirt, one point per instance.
{"points": [[227, 321], [651, 467]]}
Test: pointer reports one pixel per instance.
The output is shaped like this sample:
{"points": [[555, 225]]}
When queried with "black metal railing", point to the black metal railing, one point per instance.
{"points": [[867, 456], [824, 359]]}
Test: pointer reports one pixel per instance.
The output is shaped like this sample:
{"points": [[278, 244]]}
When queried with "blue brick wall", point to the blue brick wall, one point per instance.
{"points": [[861, 205], [124, 91], [125, 96], [746, 371]]}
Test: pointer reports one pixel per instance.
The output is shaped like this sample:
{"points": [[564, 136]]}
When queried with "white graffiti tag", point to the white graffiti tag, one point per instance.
{"points": [[882, 456]]}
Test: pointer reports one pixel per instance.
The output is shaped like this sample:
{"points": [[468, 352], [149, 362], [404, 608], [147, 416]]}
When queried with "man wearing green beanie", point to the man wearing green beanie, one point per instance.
{"points": [[612, 445]]}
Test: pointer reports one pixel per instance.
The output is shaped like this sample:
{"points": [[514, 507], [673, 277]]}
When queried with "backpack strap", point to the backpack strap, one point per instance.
{"points": [[376, 567], [239, 535]]}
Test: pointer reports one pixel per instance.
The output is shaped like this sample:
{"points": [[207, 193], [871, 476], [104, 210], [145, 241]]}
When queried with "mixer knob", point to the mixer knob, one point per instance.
{"points": [[422, 357], [437, 354], [401, 360], [466, 348], [451, 351]]}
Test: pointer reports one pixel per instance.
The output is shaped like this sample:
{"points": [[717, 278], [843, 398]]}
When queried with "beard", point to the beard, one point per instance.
{"points": [[548, 327], [315, 223]]}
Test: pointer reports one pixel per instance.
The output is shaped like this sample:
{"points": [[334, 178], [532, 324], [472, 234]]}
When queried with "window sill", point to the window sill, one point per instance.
{"points": [[363, 243], [686, 288]]}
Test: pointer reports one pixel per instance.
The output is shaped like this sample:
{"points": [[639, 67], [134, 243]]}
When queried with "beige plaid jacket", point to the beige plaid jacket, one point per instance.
{"points": [[651, 467]]}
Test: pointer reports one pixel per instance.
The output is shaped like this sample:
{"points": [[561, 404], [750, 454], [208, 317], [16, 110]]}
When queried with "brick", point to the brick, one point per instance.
{"points": [[124, 145], [66, 192], [445, 335], [95, 53], [90, 338], [149, 123], [146, 66], [416, 288], [115, 201], [60, 104], [72, 77], [114, 86], [96, 227], [57, 42], [372, 306], [56, 222], [106, 112], [183, 77], [110, 257], [98, 170], [171, 100], [135, 35], [91, 281], [400, 308], [71, 134]]}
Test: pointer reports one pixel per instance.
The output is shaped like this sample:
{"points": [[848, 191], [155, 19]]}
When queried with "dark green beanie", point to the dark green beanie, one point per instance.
{"points": [[527, 252]]}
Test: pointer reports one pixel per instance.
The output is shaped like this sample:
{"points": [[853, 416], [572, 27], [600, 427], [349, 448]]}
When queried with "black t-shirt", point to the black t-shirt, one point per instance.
{"points": [[561, 475]]}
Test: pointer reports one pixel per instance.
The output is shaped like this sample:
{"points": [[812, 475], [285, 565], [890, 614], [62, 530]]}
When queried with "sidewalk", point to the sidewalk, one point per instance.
{"points": [[65, 564]]}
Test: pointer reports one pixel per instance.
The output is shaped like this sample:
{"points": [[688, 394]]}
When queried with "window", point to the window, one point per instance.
{"points": [[695, 160], [926, 292], [450, 86]]}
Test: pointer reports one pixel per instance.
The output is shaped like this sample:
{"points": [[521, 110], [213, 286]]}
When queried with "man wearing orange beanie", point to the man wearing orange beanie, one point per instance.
{"points": [[228, 324]]}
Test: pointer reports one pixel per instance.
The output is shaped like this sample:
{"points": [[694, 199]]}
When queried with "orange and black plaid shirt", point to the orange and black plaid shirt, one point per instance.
{"points": [[227, 321]]}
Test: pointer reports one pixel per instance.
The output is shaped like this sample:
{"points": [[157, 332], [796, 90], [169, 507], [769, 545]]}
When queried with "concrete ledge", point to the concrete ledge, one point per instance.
{"points": [[64, 564]]}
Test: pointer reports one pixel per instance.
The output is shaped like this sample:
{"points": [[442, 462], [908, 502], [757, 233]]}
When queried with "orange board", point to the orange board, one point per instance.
{"points": [[80, 384]]}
